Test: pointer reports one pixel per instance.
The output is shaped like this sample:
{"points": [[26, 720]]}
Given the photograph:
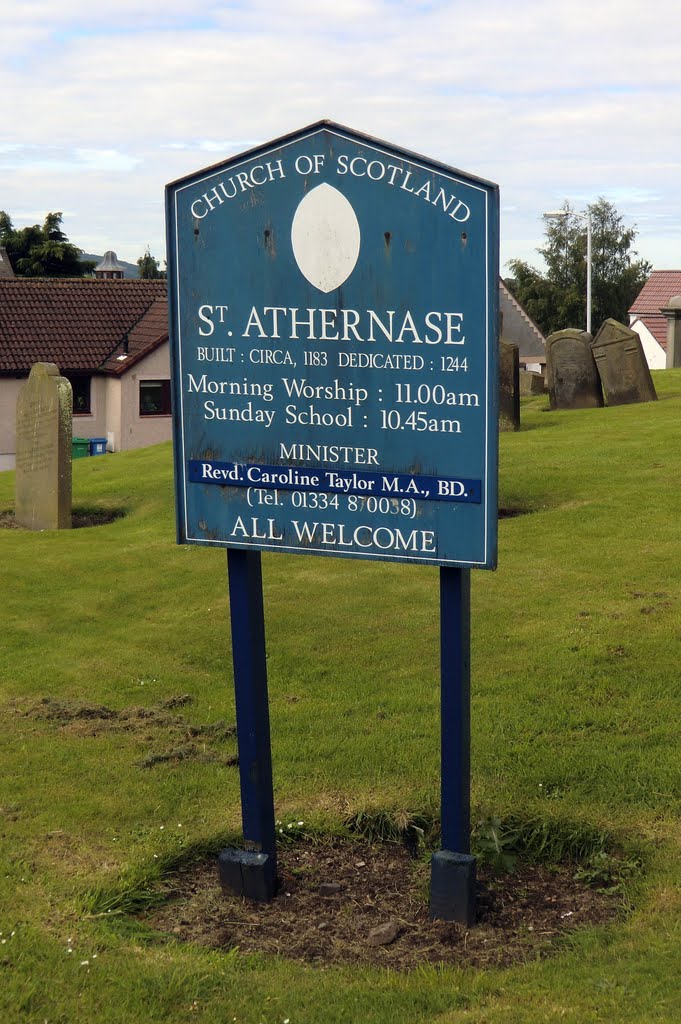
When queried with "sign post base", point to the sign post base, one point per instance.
{"points": [[248, 873], [452, 887]]}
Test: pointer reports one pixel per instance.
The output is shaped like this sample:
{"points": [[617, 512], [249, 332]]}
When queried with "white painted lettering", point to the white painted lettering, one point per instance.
{"points": [[206, 320], [254, 321]]}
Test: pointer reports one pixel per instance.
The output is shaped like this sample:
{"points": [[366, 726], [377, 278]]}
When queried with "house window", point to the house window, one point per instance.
{"points": [[154, 398], [81, 388]]}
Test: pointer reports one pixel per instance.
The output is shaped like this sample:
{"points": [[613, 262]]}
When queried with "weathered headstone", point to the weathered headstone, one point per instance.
{"points": [[531, 383], [572, 379], [622, 365], [509, 386], [673, 313], [43, 459]]}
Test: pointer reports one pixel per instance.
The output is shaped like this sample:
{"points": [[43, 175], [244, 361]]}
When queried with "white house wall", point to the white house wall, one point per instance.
{"points": [[9, 392], [653, 351], [139, 431], [113, 419], [114, 403], [93, 424]]}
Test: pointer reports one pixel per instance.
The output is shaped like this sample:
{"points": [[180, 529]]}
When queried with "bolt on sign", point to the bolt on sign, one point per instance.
{"points": [[334, 325]]}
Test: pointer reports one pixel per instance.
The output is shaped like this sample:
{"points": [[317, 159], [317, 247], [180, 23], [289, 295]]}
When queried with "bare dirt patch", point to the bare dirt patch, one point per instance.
{"points": [[79, 518], [348, 902], [174, 738], [83, 517], [8, 522], [513, 513]]}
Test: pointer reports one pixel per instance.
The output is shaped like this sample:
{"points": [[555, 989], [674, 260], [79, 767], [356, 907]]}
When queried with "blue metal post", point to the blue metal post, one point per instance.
{"points": [[251, 872], [453, 876]]}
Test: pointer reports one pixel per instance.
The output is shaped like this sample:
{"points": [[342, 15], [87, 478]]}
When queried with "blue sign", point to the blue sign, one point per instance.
{"points": [[333, 309]]}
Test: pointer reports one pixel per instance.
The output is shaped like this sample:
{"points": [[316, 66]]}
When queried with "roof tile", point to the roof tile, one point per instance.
{"points": [[78, 323], [660, 287]]}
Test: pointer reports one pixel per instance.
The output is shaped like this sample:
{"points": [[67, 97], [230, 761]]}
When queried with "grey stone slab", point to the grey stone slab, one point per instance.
{"points": [[509, 386], [532, 383], [571, 375], [43, 459], [622, 365], [673, 313]]}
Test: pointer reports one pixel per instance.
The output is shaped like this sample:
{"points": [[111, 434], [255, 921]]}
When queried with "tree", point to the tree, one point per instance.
{"points": [[42, 251], [149, 267], [557, 298]]}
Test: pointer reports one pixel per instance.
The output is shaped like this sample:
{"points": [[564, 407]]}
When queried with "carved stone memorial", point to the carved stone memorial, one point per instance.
{"points": [[622, 365], [572, 379], [43, 459], [673, 313], [509, 386], [531, 383]]}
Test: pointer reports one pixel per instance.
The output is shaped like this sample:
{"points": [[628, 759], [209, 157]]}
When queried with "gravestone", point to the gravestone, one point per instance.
{"points": [[673, 313], [509, 386], [621, 364], [531, 383], [571, 375], [43, 460]]}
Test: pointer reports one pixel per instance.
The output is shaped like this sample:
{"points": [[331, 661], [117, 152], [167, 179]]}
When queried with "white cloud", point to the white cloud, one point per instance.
{"points": [[106, 160], [41, 159], [223, 146], [551, 101]]}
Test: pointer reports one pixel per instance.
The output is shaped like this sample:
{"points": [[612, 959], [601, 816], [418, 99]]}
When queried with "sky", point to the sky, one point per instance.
{"points": [[104, 104]]}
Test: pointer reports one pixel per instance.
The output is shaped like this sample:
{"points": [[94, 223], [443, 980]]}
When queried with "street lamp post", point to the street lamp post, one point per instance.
{"points": [[563, 215]]}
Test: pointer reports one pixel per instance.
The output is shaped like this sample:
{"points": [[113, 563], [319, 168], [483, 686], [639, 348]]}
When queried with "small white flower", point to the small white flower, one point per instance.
{"points": [[161, 826], [84, 963], [301, 822]]}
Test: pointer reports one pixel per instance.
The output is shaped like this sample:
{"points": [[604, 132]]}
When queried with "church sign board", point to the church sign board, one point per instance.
{"points": [[333, 304]]}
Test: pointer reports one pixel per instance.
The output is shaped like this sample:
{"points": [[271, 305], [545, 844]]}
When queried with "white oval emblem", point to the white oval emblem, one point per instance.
{"points": [[325, 237]]}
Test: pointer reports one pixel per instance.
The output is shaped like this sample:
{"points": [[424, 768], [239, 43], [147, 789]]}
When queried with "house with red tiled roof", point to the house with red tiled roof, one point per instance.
{"points": [[108, 337], [646, 316]]}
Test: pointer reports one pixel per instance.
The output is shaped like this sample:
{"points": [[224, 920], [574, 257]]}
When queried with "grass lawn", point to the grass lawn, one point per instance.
{"points": [[576, 692]]}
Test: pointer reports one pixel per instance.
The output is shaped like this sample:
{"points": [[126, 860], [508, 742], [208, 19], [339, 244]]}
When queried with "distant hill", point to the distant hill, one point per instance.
{"points": [[131, 269]]}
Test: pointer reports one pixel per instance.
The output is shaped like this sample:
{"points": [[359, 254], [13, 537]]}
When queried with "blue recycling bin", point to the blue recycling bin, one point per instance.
{"points": [[97, 446]]}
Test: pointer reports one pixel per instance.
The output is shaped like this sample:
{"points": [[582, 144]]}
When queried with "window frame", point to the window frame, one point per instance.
{"points": [[78, 381], [166, 398]]}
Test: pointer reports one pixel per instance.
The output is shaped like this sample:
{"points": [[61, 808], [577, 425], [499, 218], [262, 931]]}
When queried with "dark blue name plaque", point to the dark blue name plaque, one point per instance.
{"points": [[395, 487], [333, 310]]}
